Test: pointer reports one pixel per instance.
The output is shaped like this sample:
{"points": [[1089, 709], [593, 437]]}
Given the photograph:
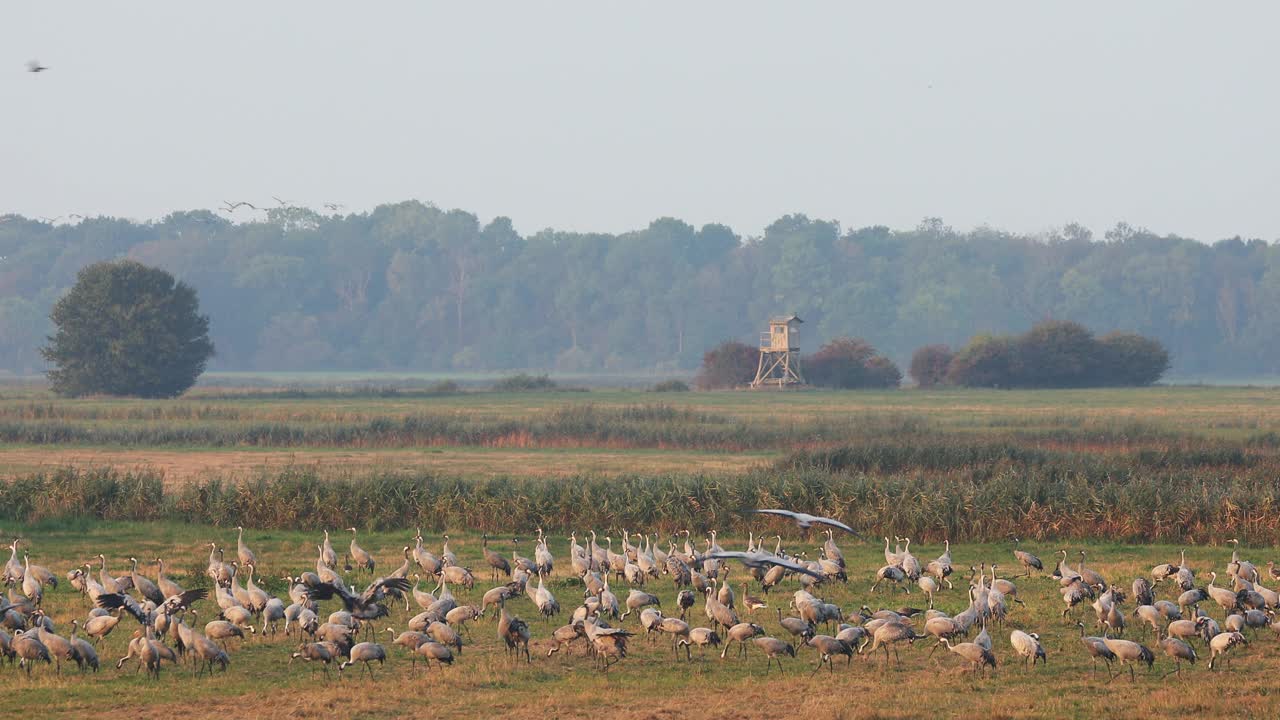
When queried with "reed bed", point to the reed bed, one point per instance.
{"points": [[983, 502], [658, 426]]}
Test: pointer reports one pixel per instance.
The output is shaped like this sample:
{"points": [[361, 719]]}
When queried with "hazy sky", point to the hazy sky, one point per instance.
{"points": [[602, 115]]}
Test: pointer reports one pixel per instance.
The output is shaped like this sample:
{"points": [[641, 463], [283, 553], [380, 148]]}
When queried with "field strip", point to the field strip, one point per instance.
{"points": [[186, 465]]}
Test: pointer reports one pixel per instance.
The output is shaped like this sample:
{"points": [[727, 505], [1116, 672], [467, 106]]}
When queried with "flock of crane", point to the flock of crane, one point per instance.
{"points": [[165, 616]]}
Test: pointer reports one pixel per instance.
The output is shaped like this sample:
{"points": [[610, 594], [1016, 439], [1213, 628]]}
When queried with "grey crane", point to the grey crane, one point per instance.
{"points": [[445, 635], [892, 573], [1222, 643], [1128, 652], [1143, 593], [368, 604], [81, 651], [544, 562], [750, 602], [610, 644], [365, 652], [1091, 577], [637, 599], [678, 629], [143, 585], [1028, 561], [100, 626], [764, 561], [980, 657], [740, 633], [723, 615], [207, 653], [940, 569], [168, 588], [243, 553], [702, 637], [29, 650], [564, 636], [327, 554], [514, 633], [1185, 576], [773, 648], [323, 652], [1225, 598], [1164, 571], [1179, 651], [805, 521], [889, 634], [362, 560], [828, 646], [1097, 648], [797, 627], [1028, 647], [498, 564], [430, 650]]}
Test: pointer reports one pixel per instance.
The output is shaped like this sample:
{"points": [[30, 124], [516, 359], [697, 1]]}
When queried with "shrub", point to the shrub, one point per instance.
{"points": [[1058, 354], [929, 365], [524, 383], [882, 373], [444, 387], [1131, 359], [729, 364], [851, 363], [671, 386], [987, 361]]}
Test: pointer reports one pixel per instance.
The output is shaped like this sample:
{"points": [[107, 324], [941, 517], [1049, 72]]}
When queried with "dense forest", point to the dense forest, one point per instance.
{"points": [[413, 287]]}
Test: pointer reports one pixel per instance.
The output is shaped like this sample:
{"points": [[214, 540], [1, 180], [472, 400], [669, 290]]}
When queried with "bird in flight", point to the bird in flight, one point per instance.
{"points": [[333, 206], [763, 560], [233, 206], [805, 521], [35, 66], [283, 203]]}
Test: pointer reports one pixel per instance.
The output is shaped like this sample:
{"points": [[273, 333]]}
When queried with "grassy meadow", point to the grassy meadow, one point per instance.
{"points": [[651, 681], [1131, 476]]}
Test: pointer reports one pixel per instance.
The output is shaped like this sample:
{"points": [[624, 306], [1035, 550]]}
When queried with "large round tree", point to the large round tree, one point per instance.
{"points": [[127, 329]]}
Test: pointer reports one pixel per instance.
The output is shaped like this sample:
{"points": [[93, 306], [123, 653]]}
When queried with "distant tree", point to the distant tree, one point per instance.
{"points": [[986, 361], [850, 363], [929, 365], [729, 364], [127, 329], [1059, 354], [524, 382], [1130, 359]]}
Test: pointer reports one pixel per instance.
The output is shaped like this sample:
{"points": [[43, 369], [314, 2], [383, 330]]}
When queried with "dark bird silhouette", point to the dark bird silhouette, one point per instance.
{"points": [[365, 606], [35, 66]]}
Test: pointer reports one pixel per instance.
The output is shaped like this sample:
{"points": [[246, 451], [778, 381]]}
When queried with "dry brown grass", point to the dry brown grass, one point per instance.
{"points": [[180, 466]]}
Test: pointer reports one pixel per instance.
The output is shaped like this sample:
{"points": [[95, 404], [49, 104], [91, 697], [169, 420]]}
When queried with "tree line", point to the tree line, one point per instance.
{"points": [[1052, 354], [410, 286]]}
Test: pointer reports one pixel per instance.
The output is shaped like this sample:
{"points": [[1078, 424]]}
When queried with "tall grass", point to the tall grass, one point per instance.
{"points": [[985, 502]]}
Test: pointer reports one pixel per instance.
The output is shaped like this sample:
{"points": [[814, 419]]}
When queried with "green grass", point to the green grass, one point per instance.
{"points": [[650, 682], [1105, 470]]}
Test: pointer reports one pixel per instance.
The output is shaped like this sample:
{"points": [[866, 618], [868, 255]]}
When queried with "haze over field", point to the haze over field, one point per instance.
{"points": [[598, 117], [906, 175]]}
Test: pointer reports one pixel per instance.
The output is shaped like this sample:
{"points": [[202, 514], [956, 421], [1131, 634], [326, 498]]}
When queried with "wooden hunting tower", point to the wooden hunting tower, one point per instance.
{"points": [[779, 354]]}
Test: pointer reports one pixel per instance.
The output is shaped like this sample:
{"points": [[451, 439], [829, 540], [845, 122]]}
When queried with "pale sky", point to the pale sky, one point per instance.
{"points": [[603, 116]]}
